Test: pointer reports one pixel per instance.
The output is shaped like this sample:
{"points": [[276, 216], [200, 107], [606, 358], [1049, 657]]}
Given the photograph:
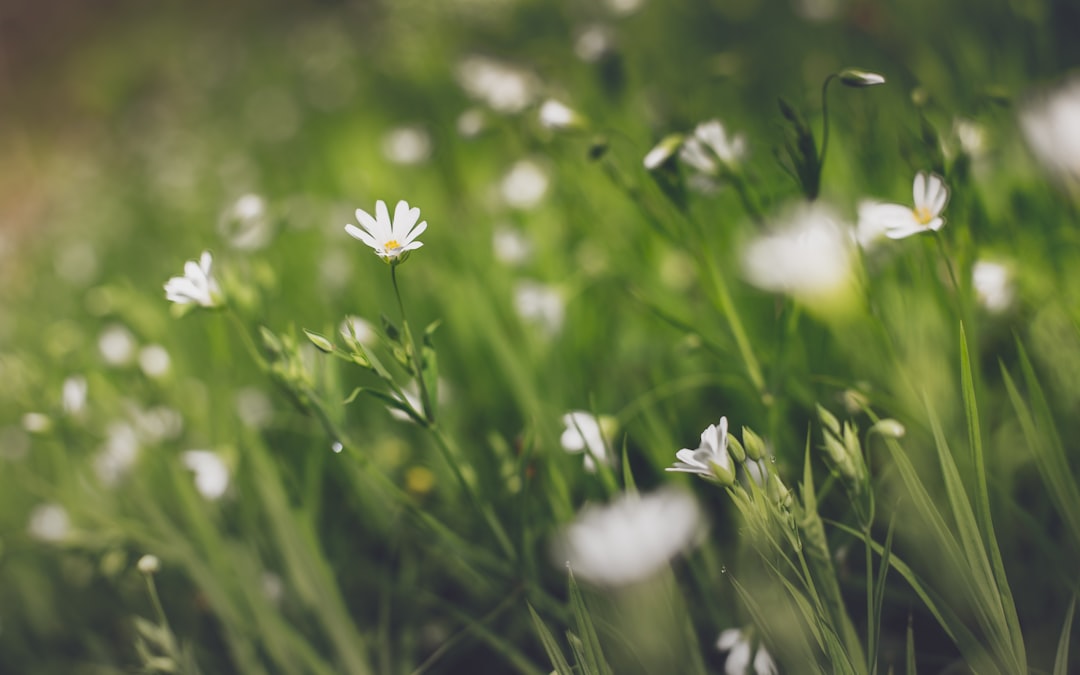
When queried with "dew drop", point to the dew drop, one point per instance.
{"points": [[723, 569], [337, 447]]}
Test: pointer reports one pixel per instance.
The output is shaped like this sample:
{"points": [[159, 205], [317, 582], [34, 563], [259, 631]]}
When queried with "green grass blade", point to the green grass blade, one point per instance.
{"points": [[910, 656], [594, 655], [551, 646], [1061, 661]]}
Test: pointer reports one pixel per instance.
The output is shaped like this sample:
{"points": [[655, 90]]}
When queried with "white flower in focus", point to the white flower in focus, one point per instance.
{"points": [[629, 539], [993, 285], [391, 239], [587, 432], [524, 185], [73, 397], [197, 286], [556, 115], [711, 459], [1050, 122], [408, 145], [737, 644], [49, 522], [808, 255], [709, 149], [540, 305], [211, 473], [896, 221]]}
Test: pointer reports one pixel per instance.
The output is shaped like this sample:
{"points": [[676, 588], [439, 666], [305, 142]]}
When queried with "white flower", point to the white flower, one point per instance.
{"points": [[197, 286], [117, 345], [524, 185], [511, 246], [407, 145], [1051, 124], [390, 239], [896, 221], [506, 88], [49, 522], [993, 285], [808, 255], [709, 148], [629, 539], [118, 453], [245, 224], [662, 151], [73, 398], [154, 361], [148, 564], [737, 644], [593, 43], [211, 473], [557, 115], [585, 431], [541, 305], [711, 459]]}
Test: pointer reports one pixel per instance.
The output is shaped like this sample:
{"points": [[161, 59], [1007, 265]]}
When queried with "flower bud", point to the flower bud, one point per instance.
{"points": [[148, 564], [853, 77], [736, 450], [755, 447], [663, 151], [889, 428]]}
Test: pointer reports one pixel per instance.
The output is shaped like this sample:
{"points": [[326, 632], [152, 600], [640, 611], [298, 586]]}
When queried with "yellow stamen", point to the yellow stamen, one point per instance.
{"points": [[391, 245], [923, 215]]}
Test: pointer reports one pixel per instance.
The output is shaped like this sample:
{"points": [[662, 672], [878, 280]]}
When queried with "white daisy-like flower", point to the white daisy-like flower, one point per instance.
{"points": [[630, 539], [897, 221], [391, 239], [1050, 121], [993, 285], [198, 285], [711, 459], [584, 430], [211, 472], [710, 149], [73, 397], [737, 643]]}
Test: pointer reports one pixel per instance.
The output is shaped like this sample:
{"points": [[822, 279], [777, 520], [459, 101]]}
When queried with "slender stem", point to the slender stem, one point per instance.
{"points": [[871, 647], [727, 306], [415, 358], [824, 123], [948, 261]]}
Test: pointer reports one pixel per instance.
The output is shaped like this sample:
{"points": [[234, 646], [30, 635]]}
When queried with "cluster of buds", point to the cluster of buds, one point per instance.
{"points": [[844, 449]]}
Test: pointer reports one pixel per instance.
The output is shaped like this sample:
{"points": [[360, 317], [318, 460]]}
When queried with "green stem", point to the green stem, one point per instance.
{"points": [[414, 359], [824, 123], [948, 261], [727, 306]]}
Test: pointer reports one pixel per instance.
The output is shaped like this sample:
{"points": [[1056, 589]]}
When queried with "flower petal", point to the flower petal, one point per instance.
{"points": [[382, 214], [919, 190], [363, 236], [416, 232], [373, 227], [937, 194], [404, 219], [905, 231]]}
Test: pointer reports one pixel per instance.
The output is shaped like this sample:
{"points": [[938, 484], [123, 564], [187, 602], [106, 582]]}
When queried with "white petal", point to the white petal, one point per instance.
{"points": [[918, 190], [404, 219], [373, 226], [937, 194], [363, 236], [382, 214], [905, 231], [688, 457], [416, 231], [728, 639]]}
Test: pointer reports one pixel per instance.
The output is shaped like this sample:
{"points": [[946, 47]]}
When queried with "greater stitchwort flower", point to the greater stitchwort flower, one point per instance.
{"points": [[711, 459], [739, 647], [709, 149], [897, 221], [585, 431], [391, 239], [197, 286]]}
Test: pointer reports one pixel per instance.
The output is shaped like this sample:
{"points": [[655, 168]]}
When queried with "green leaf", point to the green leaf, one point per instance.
{"points": [[1061, 661], [910, 646], [551, 646], [429, 370], [594, 656], [629, 485]]}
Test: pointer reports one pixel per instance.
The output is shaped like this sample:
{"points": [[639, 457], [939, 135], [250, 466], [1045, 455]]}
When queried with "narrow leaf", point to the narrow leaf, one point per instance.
{"points": [[551, 646]]}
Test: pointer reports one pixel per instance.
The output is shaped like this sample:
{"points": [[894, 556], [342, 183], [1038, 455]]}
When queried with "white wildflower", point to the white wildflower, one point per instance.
{"points": [[511, 246], [709, 149], [524, 185], [590, 435], [541, 305], [49, 522], [1050, 121], [711, 458], [211, 473], [117, 345], [73, 396], [154, 361], [392, 240], [245, 225], [993, 285], [739, 647], [198, 285], [556, 115], [503, 87], [407, 145], [897, 221]]}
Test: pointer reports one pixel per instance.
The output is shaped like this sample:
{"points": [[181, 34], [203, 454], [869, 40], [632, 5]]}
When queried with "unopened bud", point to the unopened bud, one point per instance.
{"points": [[755, 447], [853, 77], [148, 564], [889, 428]]}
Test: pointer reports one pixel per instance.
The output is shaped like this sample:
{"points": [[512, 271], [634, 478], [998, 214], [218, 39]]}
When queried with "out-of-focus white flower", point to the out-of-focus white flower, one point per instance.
{"points": [[711, 459], [896, 221], [245, 225], [156, 424], [738, 645], [709, 149], [273, 587], [970, 136], [993, 285], [511, 246], [524, 185], [36, 423], [817, 10], [587, 432], [73, 395], [154, 361], [360, 330], [254, 408], [407, 145], [49, 522], [117, 345], [118, 453], [663, 151], [393, 239], [624, 7], [211, 473], [889, 428], [593, 42], [77, 263], [541, 305], [557, 115], [630, 539], [471, 122], [808, 255], [503, 87], [198, 285], [148, 564], [1050, 121]]}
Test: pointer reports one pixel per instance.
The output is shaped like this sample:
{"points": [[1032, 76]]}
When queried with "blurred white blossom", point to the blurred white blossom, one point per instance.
{"points": [[630, 539], [198, 285], [585, 431], [154, 361], [624, 7], [73, 395], [407, 145], [393, 239], [1050, 121], [36, 423], [148, 564], [254, 408], [993, 285], [593, 42], [117, 454], [49, 522], [471, 122], [709, 149], [540, 305], [896, 221], [524, 185], [211, 473], [503, 87], [117, 345], [511, 245], [557, 115], [739, 647], [807, 254], [245, 225]]}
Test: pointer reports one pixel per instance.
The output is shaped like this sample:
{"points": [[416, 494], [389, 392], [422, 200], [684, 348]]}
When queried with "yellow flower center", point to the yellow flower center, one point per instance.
{"points": [[923, 215], [391, 245]]}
